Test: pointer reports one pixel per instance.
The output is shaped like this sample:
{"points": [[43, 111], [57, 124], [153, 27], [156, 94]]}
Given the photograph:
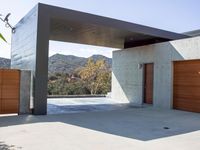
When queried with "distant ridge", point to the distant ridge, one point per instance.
{"points": [[4, 63], [63, 63], [69, 63]]}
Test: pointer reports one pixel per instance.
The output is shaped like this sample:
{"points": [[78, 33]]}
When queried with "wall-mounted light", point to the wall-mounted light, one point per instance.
{"points": [[7, 24], [140, 66]]}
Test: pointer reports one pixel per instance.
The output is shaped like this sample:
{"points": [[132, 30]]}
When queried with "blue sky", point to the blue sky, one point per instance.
{"points": [[172, 15]]}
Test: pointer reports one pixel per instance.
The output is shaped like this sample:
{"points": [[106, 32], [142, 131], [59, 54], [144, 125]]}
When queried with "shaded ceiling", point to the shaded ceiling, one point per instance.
{"points": [[78, 27]]}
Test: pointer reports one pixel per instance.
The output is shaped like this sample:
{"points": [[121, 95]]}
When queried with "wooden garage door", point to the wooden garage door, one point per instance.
{"points": [[187, 85], [9, 91]]}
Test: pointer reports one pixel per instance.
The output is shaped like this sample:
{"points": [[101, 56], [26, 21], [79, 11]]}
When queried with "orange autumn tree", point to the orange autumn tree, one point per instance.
{"points": [[96, 76]]}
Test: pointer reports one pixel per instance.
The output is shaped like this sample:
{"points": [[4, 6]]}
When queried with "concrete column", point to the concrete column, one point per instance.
{"points": [[41, 72], [29, 51]]}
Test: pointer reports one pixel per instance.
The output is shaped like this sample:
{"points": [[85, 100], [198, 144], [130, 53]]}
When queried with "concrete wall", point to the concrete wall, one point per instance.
{"points": [[23, 52], [23, 48], [29, 51], [127, 77], [25, 92]]}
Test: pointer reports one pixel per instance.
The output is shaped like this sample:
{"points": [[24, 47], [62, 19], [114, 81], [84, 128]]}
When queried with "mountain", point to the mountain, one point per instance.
{"points": [[69, 63], [100, 57], [63, 63], [4, 63]]}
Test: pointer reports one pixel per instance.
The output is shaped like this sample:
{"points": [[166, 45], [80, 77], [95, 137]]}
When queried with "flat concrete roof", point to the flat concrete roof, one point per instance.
{"points": [[79, 27]]}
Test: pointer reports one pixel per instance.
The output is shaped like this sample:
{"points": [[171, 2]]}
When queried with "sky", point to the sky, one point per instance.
{"points": [[172, 15]]}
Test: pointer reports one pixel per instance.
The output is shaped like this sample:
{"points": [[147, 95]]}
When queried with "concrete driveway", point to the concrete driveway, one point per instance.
{"points": [[89, 104], [130, 129]]}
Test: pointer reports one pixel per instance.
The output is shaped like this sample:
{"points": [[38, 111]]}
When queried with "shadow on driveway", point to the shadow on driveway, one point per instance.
{"points": [[4, 146], [136, 123]]}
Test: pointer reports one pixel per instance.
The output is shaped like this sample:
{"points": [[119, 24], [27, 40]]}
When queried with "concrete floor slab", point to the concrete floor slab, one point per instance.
{"points": [[133, 128], [75, 105]]}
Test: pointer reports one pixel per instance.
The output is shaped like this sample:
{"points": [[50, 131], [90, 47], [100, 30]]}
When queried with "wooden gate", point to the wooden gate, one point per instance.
{"points": [[9, 91]]}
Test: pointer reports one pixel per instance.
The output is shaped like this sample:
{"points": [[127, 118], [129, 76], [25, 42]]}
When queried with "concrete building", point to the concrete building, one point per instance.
{"points": [[140, 45], [128, 82]]}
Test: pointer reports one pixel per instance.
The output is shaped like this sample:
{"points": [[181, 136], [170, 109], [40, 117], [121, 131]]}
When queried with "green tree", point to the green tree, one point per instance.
{"points": [[94, 78], [62, 84]]}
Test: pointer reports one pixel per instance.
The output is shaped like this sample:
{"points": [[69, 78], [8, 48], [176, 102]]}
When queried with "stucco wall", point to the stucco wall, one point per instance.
{"points": [[127, 77]]}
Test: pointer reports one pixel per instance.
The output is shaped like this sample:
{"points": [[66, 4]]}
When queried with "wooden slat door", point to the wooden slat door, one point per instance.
{"points": [[148, 83], [187, 85], [9, 87]]}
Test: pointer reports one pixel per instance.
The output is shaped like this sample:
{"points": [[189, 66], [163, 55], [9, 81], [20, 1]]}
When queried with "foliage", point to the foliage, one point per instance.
{"points": [[64, 84], [69, 63], [2, 38], [94, 78]]}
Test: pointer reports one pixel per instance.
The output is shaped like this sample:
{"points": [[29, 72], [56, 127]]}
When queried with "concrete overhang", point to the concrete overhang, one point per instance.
{"points": [[193, 33], [79, 27]]}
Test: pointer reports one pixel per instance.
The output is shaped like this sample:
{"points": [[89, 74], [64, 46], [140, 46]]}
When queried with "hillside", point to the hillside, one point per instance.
{"points": [[63, 63], [4, 63], [69, 63]]}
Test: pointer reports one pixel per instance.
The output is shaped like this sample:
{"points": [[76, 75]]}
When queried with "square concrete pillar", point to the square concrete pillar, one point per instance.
{"points": [[29, 51]]}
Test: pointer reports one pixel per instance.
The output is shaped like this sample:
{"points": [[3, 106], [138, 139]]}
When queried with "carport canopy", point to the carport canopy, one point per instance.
{"points": [[30, 42], [78, 27]]}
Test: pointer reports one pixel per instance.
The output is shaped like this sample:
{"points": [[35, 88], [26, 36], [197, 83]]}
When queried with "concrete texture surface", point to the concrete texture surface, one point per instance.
{"points": [[29, 51], [25, 91], [127, 76], [74, 105], [130, 129]]}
